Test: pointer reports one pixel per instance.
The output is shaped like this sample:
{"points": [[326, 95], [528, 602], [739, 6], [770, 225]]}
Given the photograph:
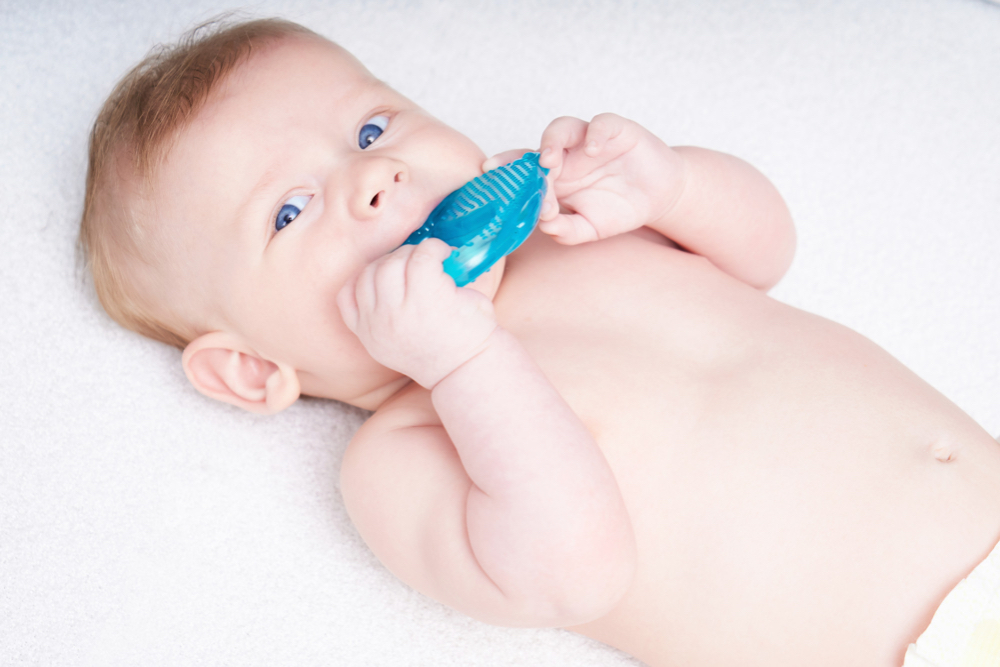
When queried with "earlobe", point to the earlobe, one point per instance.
{"points": [[221, 366]]}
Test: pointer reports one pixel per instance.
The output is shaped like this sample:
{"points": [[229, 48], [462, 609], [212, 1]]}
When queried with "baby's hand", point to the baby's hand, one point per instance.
{"points": [[607, 177], [412, 318]]}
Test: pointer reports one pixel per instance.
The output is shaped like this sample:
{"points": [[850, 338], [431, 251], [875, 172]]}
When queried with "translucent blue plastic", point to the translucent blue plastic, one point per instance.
{"points": [[487, 218]]}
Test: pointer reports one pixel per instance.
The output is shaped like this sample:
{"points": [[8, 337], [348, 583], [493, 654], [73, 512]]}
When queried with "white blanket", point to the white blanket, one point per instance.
{"points": [[141, 524]]}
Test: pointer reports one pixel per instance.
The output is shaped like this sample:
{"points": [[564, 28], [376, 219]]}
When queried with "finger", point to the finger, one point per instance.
{"points": [[348, 305], [389, 277], [365, 294], [434, 249], [602, 128], [505, 157], [550, 205], [424, 270], [562, 134], [570, 229]]}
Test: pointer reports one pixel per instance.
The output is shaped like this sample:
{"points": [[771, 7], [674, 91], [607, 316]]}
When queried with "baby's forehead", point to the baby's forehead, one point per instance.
{"points": [[277, 91], [300, 58]]}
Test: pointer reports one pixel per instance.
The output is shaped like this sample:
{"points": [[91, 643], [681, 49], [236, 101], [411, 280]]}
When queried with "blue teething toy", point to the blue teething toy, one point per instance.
{"points": [[487, 218]]}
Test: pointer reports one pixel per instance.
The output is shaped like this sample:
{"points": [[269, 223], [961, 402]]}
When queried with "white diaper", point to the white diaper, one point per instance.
{"points": [[965, 630]]}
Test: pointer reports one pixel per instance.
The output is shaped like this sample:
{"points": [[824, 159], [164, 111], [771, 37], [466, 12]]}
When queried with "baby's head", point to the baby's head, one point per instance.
{"points": [[237, 180]]}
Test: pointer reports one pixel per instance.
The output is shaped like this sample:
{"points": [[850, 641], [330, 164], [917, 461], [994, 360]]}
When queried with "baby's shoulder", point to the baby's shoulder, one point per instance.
{"points": [[375, 449]]}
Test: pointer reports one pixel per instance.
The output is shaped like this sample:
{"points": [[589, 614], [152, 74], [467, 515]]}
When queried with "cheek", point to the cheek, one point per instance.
{"points": [[448, 147], [468, 154], [305, 329], [291, 307]]}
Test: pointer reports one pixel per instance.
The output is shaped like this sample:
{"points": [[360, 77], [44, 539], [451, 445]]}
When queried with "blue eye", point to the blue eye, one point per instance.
{"points": [[372, 130], [290, 210]]}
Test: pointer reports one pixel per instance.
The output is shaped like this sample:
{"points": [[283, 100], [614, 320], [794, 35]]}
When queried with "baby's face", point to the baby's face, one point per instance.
{"points": [[300, 170]]}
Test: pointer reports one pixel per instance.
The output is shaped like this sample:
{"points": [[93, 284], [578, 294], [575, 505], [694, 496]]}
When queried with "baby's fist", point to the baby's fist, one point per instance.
{"points": [[411, 317], [608, 176]]}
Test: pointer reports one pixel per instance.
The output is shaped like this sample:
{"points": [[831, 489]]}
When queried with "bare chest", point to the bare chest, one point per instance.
{"points": [[778, 468]]}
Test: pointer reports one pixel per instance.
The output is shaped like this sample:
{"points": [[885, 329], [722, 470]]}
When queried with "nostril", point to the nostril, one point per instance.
{"points": [[399, 178], [374, 201]]}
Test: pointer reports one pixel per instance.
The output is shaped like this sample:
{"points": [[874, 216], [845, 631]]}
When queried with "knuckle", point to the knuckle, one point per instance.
{"points": [[399, 254], [434, 248], [603, 124], [610, 123], [563, 126], [385, 268], [424, 251]]}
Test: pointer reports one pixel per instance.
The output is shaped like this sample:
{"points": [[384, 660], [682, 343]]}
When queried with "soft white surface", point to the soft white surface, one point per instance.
{"points": [[141, 524]]}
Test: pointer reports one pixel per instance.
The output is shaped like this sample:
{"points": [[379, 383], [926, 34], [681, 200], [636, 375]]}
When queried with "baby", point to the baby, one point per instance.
{"points": [[615, 430]]}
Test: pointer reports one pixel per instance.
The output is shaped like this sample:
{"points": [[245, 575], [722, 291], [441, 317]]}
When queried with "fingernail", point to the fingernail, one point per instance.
{"points": [[546, 207]]}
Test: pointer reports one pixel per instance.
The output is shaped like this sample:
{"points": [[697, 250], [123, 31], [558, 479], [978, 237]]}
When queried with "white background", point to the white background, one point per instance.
{"points": [[141, 524]]}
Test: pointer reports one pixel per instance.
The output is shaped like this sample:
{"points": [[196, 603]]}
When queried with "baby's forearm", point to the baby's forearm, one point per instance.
{"points": [[731, 213], [545, 517]]}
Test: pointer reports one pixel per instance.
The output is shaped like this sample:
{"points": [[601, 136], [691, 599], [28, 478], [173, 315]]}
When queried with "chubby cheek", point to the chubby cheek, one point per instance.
{"points": [[464, 163], [332, 362], [449, 156], [324, 341], [313, 339], [291, 307], [320, 326]]}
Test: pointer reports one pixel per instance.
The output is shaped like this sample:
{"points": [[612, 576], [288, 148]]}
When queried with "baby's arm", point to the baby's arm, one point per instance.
{"points": [[509, 512], [611, 175]]}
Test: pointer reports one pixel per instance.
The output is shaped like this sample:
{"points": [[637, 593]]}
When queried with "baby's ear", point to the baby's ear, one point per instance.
{"points": [[221, 366]]}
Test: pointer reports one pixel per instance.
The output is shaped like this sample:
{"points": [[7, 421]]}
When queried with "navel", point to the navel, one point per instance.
{"points": [[944, 451]]}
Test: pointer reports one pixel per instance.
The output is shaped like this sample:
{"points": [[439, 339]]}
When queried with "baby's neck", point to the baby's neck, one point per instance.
{"points": [[373, 400]]}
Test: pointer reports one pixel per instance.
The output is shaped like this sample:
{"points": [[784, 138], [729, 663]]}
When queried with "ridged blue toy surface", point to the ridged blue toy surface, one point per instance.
{"points": [[487, 218]]}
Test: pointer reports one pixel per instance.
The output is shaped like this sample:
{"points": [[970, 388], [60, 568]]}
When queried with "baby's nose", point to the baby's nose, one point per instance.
{"points": [[378, 182]]}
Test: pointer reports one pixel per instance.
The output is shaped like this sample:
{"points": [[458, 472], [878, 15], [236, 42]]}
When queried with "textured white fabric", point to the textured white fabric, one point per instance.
{"points": [[141, 524]]}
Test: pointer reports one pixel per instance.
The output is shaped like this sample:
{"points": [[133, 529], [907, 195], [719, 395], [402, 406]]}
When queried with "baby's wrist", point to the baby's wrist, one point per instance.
{"points": [[475, 366], [445, 366], [675, 167], [672, 174]]}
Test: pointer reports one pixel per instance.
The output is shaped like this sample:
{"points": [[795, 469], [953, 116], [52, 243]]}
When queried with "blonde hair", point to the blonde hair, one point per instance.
{"points": [[133, 132]]}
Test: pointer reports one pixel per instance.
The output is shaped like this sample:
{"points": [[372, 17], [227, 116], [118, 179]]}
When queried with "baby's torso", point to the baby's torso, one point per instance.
{"points": [[783, 474]]}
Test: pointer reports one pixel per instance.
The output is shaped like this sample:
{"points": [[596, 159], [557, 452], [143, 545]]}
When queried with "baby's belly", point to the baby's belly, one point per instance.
{"points": [[798, 496], [812, 525]]}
